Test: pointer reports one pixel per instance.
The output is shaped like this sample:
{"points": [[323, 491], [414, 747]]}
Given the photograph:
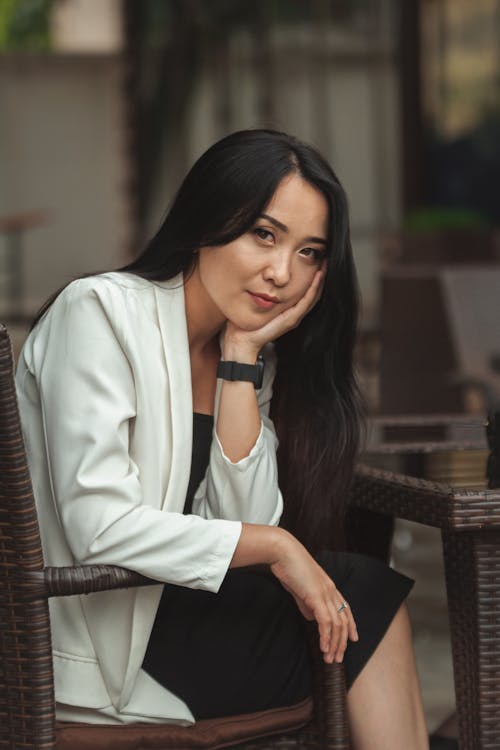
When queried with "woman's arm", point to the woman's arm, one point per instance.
{"points": [[242, 480], [80, 388], [314, 592], [245, 490], [238, 420], [238, 423]]}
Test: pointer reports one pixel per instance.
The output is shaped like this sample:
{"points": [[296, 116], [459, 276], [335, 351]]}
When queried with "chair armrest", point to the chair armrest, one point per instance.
{"points": [[430, 503], [78, 579], [400, 496], [329, 695], [328, 679]]}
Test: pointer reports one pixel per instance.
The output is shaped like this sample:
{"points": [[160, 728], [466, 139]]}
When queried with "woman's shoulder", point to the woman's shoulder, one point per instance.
{"points": [[109, 288], [88, 307], [118, 282], [93, 299]]}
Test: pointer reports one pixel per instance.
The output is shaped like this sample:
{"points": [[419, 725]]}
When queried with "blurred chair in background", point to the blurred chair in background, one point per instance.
{"points": [[13, 229]]}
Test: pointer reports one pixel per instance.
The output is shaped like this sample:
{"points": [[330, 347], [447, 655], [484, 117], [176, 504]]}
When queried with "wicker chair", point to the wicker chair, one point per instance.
{"points": [[469, 519], [27, 709]]}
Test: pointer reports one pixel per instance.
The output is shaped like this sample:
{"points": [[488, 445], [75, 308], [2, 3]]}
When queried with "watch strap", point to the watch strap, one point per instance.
{"points": [[229, 370]]}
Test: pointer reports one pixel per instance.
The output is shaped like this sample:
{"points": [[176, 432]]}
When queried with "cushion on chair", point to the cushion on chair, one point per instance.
{"points": [[208, 733]]}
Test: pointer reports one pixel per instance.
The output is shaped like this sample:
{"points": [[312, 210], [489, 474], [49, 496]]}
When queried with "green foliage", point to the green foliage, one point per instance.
{"points": [[24, 25], [432, 219]]}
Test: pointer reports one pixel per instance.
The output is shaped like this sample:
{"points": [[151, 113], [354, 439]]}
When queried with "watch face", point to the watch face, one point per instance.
{"points": [[260, 371]]}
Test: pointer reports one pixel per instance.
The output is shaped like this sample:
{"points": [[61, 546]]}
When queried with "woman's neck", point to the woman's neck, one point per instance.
{"points": [[204, 319]]}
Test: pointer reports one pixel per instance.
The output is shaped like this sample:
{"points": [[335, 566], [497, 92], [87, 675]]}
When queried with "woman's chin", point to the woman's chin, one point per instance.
{"points": [[254, 322]]}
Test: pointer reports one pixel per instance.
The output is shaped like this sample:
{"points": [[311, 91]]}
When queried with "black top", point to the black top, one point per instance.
{"points": [[203, 425]]}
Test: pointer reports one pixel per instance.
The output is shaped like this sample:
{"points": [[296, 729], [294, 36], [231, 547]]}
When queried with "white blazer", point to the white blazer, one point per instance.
{"points": [[104, 389]]}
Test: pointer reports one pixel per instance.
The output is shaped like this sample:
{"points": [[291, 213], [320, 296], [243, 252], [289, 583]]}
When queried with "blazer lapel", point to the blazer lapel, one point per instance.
{"points": [[172, 321], [173, 328]]}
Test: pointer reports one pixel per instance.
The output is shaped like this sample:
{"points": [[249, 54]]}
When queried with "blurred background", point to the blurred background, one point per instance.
{"points": [[106, 103]]}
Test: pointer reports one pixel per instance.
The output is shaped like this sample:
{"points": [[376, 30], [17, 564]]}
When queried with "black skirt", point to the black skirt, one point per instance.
{"points": [[244, 649]]}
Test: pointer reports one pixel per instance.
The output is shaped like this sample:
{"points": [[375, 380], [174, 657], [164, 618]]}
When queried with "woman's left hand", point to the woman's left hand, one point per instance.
{"points": [[251, 342]]}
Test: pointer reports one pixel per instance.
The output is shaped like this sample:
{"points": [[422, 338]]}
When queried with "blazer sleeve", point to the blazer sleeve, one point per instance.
{"points": [[87, 398], [246, 490]]}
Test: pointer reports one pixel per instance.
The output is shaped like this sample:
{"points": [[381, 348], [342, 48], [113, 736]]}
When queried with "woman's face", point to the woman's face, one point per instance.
{"points": [[270, 267]]}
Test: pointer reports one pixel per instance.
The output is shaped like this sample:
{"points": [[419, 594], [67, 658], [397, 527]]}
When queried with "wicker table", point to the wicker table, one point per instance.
{"points": [[469, 519]]}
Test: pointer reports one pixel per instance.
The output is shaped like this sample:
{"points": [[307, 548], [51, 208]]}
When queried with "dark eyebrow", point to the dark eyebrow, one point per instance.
{"points": [[284, 228]]}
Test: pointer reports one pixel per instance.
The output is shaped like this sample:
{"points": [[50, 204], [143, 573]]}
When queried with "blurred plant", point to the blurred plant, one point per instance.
{"points": [[24, 25], [430, 219]]}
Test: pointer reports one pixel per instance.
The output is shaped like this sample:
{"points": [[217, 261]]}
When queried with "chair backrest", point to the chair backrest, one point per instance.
{"points": [[417, 354], [440, 336], [472, 299], [27, 713]]}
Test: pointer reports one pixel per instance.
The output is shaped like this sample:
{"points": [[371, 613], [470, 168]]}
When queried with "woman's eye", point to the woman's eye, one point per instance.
{"points": [[313, 253], [263, 234]]}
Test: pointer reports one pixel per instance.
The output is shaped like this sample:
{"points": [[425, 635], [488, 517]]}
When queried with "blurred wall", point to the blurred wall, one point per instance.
{"points": [[62, 151], [63, 134]]}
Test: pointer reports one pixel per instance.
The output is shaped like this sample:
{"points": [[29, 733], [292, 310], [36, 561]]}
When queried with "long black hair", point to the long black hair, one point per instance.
{"points": [[315, 405]]}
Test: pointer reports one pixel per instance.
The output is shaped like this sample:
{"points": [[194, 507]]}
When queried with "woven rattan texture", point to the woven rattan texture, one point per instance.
{"points": [[470, 527], [472, 563], [27, 712], [329, 699], [26, 684], [425, 502]]}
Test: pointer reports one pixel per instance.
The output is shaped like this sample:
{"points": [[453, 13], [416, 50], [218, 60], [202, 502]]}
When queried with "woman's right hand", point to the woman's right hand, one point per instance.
{"points": [[314, 592], [316, 596]]}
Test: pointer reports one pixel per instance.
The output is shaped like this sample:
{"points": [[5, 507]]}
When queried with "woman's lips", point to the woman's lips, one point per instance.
{"points": [[264, 301]]}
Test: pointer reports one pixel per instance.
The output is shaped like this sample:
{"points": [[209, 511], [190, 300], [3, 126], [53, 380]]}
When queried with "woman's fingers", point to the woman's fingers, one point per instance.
{"points": [[316, 596], [332, 629], [326, 632], [338, 646], [351, 625], [290, 318], [333, 637], [343, 642], [307, 302], [335, 628]]}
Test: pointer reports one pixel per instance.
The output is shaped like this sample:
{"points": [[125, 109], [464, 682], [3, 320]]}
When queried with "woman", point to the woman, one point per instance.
{"points": [[255, 249]]}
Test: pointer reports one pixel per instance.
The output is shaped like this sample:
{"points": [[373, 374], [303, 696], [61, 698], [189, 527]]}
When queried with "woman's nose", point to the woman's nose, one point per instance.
{"points": [[278, 269]]}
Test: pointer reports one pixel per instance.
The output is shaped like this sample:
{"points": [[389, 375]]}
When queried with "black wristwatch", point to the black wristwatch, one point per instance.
{"points": [[239, 371]]}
